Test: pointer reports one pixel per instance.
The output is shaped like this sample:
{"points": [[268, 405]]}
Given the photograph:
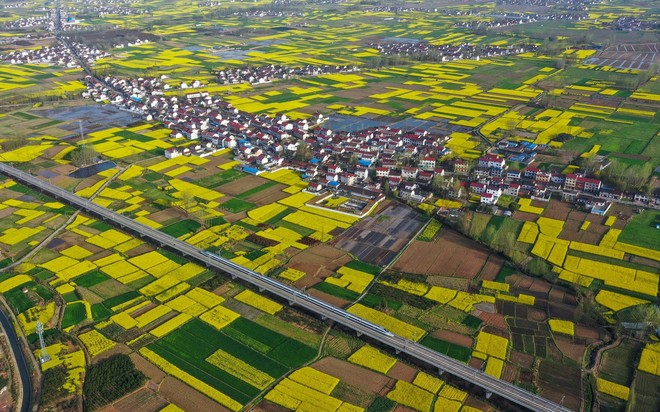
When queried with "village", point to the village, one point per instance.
{"points": [[413, 165]]}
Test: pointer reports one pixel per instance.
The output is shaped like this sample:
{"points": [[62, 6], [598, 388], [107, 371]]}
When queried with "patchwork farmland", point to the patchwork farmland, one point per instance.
{"points": [[479, 178]]}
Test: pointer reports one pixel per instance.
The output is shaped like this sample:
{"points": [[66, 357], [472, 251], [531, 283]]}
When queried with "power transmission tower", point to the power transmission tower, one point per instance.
{"points": [[45, 357]]}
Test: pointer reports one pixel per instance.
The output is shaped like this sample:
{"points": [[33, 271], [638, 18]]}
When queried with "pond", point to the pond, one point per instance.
{"points": [[93, 117], [347, 123], [88, 171]]}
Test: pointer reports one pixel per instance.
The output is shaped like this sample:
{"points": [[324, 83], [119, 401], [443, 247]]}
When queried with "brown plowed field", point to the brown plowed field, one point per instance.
{"points": [[450, 254], [454, 337], [143, 400], [186, 397], [353, 375], [402, 372], [318, 262], [241, 185], [149, 369]]}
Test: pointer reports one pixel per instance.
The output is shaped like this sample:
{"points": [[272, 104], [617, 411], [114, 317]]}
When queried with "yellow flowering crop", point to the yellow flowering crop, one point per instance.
{"points": [[637, 250], [95, 342], [489, 284], [296, 396], [13, 282], [650, 359], [613, 389], [159, 285], [28, 319], [264, 213], [292, 274], [184, 304], [171, 408], [76, 252], [428, 382], [170, 325], [163, 268], [219, 317], [562, 326], [240, 369], [407, 286], [412, 396], [190, 380], [13, 236], [440, 294], [526, 206], [528, 233], [465, 301], [205, 298], [124, 320], [494, 367], [617, 301], [148, 260], [372, 358], [597, 250], [257, 301], [492, 345], [297, 200], [390, 323], [314, 379], [152, 315]]}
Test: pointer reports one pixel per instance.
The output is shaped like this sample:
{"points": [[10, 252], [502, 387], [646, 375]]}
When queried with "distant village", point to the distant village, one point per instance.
{"points": [[410, 164]]}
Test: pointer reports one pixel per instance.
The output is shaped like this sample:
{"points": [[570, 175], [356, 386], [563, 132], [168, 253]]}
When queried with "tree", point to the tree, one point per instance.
{"points": [[303, 151], [84, 155], [439, 185], [588, 311], [110, 379], [514, 206]]}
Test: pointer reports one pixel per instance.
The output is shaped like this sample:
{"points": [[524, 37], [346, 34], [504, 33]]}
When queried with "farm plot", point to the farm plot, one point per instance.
{"points": [[377, 239], [450, 254], [237, 362]]}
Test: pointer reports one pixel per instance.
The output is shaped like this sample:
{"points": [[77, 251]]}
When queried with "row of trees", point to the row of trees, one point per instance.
{"points": [[627, 177]]}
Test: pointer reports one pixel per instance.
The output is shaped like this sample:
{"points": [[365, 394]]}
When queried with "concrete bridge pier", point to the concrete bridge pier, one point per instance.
{"points": [[489, 394]]}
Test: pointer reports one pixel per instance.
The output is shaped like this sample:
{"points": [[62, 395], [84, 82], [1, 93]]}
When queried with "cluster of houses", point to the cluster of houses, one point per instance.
{"points": [[631, 23], [573, 5], [32, 22], [135, 91], [514, 19], [265, 74], [58, 54], [448, 52], [491, 178], [365, 163], [108, 10], [137, 42], [14, 5]]}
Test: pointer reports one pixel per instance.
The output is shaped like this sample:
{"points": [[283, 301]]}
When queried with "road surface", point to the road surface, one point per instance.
{"points": [[296, 297], [23, 369]]}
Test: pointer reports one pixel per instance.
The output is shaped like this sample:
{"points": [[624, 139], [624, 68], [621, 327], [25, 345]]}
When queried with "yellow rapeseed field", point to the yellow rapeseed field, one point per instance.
{"points": [[372, 358], [95, 342]]}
